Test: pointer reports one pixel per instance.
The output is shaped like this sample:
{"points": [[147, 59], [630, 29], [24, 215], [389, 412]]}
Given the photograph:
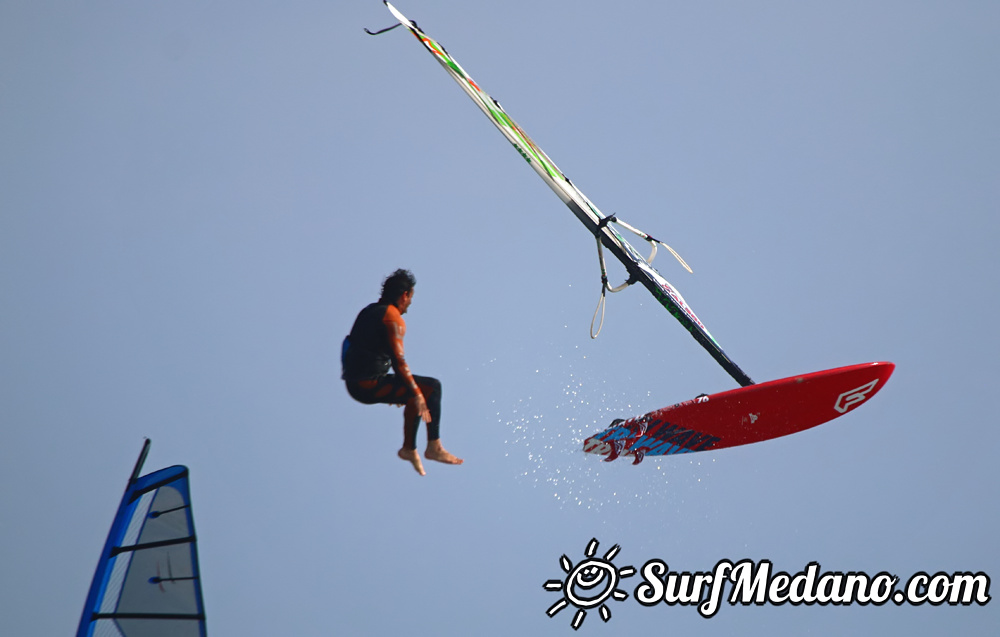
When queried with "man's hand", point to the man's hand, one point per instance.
{"points": [[421, 406]]}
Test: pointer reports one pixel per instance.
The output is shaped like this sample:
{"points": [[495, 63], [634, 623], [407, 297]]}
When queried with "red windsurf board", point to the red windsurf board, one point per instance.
{"points": [[743, 416]]}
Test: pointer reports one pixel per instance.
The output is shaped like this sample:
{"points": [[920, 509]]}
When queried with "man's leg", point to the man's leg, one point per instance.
{"points": [[431, 389], [391, 390], [411, 420]]}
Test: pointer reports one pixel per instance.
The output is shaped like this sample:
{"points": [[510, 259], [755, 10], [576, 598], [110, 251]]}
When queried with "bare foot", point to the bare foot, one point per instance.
{"points": [[411, 456], [435, 451]]}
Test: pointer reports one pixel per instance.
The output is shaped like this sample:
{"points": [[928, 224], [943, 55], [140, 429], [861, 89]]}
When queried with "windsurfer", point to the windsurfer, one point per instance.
{"points": [[375, 345]]}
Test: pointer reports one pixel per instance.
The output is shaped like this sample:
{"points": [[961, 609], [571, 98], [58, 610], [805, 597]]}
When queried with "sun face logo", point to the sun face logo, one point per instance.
{"points": [[589, 584]]}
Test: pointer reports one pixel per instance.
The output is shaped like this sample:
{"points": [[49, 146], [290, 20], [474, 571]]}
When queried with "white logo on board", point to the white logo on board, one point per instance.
{"points": [[849, 399]]}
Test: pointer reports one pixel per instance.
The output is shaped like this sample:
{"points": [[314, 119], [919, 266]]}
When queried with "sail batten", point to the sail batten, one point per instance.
{"points": [[152, 545], [200, 616]]}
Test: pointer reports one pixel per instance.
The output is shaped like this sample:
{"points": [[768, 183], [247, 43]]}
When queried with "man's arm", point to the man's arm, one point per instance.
{"points": [[396, 330]]}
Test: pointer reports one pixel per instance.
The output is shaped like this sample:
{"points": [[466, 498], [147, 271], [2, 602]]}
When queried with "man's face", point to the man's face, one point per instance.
{"points": [[404, 301]]}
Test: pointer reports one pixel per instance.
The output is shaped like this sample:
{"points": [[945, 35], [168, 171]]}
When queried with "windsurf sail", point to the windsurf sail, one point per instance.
{"points": [[639, 268], [147, 582]]}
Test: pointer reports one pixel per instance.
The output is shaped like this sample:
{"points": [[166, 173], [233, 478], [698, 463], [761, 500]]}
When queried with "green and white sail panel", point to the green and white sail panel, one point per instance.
{"points": [[147, 582], [638, 267]]}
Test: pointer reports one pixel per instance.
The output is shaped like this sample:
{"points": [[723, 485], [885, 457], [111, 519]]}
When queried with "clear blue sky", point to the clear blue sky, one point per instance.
{"points": [[196, 199]]}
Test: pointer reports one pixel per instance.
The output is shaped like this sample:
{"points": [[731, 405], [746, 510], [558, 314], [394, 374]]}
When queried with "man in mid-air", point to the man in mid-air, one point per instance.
{"points": [[375, 345]]}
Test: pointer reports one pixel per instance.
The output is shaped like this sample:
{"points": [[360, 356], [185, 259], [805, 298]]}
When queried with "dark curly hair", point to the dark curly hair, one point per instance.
{"points": [[396, 284]]}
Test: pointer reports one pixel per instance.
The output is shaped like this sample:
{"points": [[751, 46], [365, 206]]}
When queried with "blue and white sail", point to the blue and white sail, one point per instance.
{"points": [[147, 582]]}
